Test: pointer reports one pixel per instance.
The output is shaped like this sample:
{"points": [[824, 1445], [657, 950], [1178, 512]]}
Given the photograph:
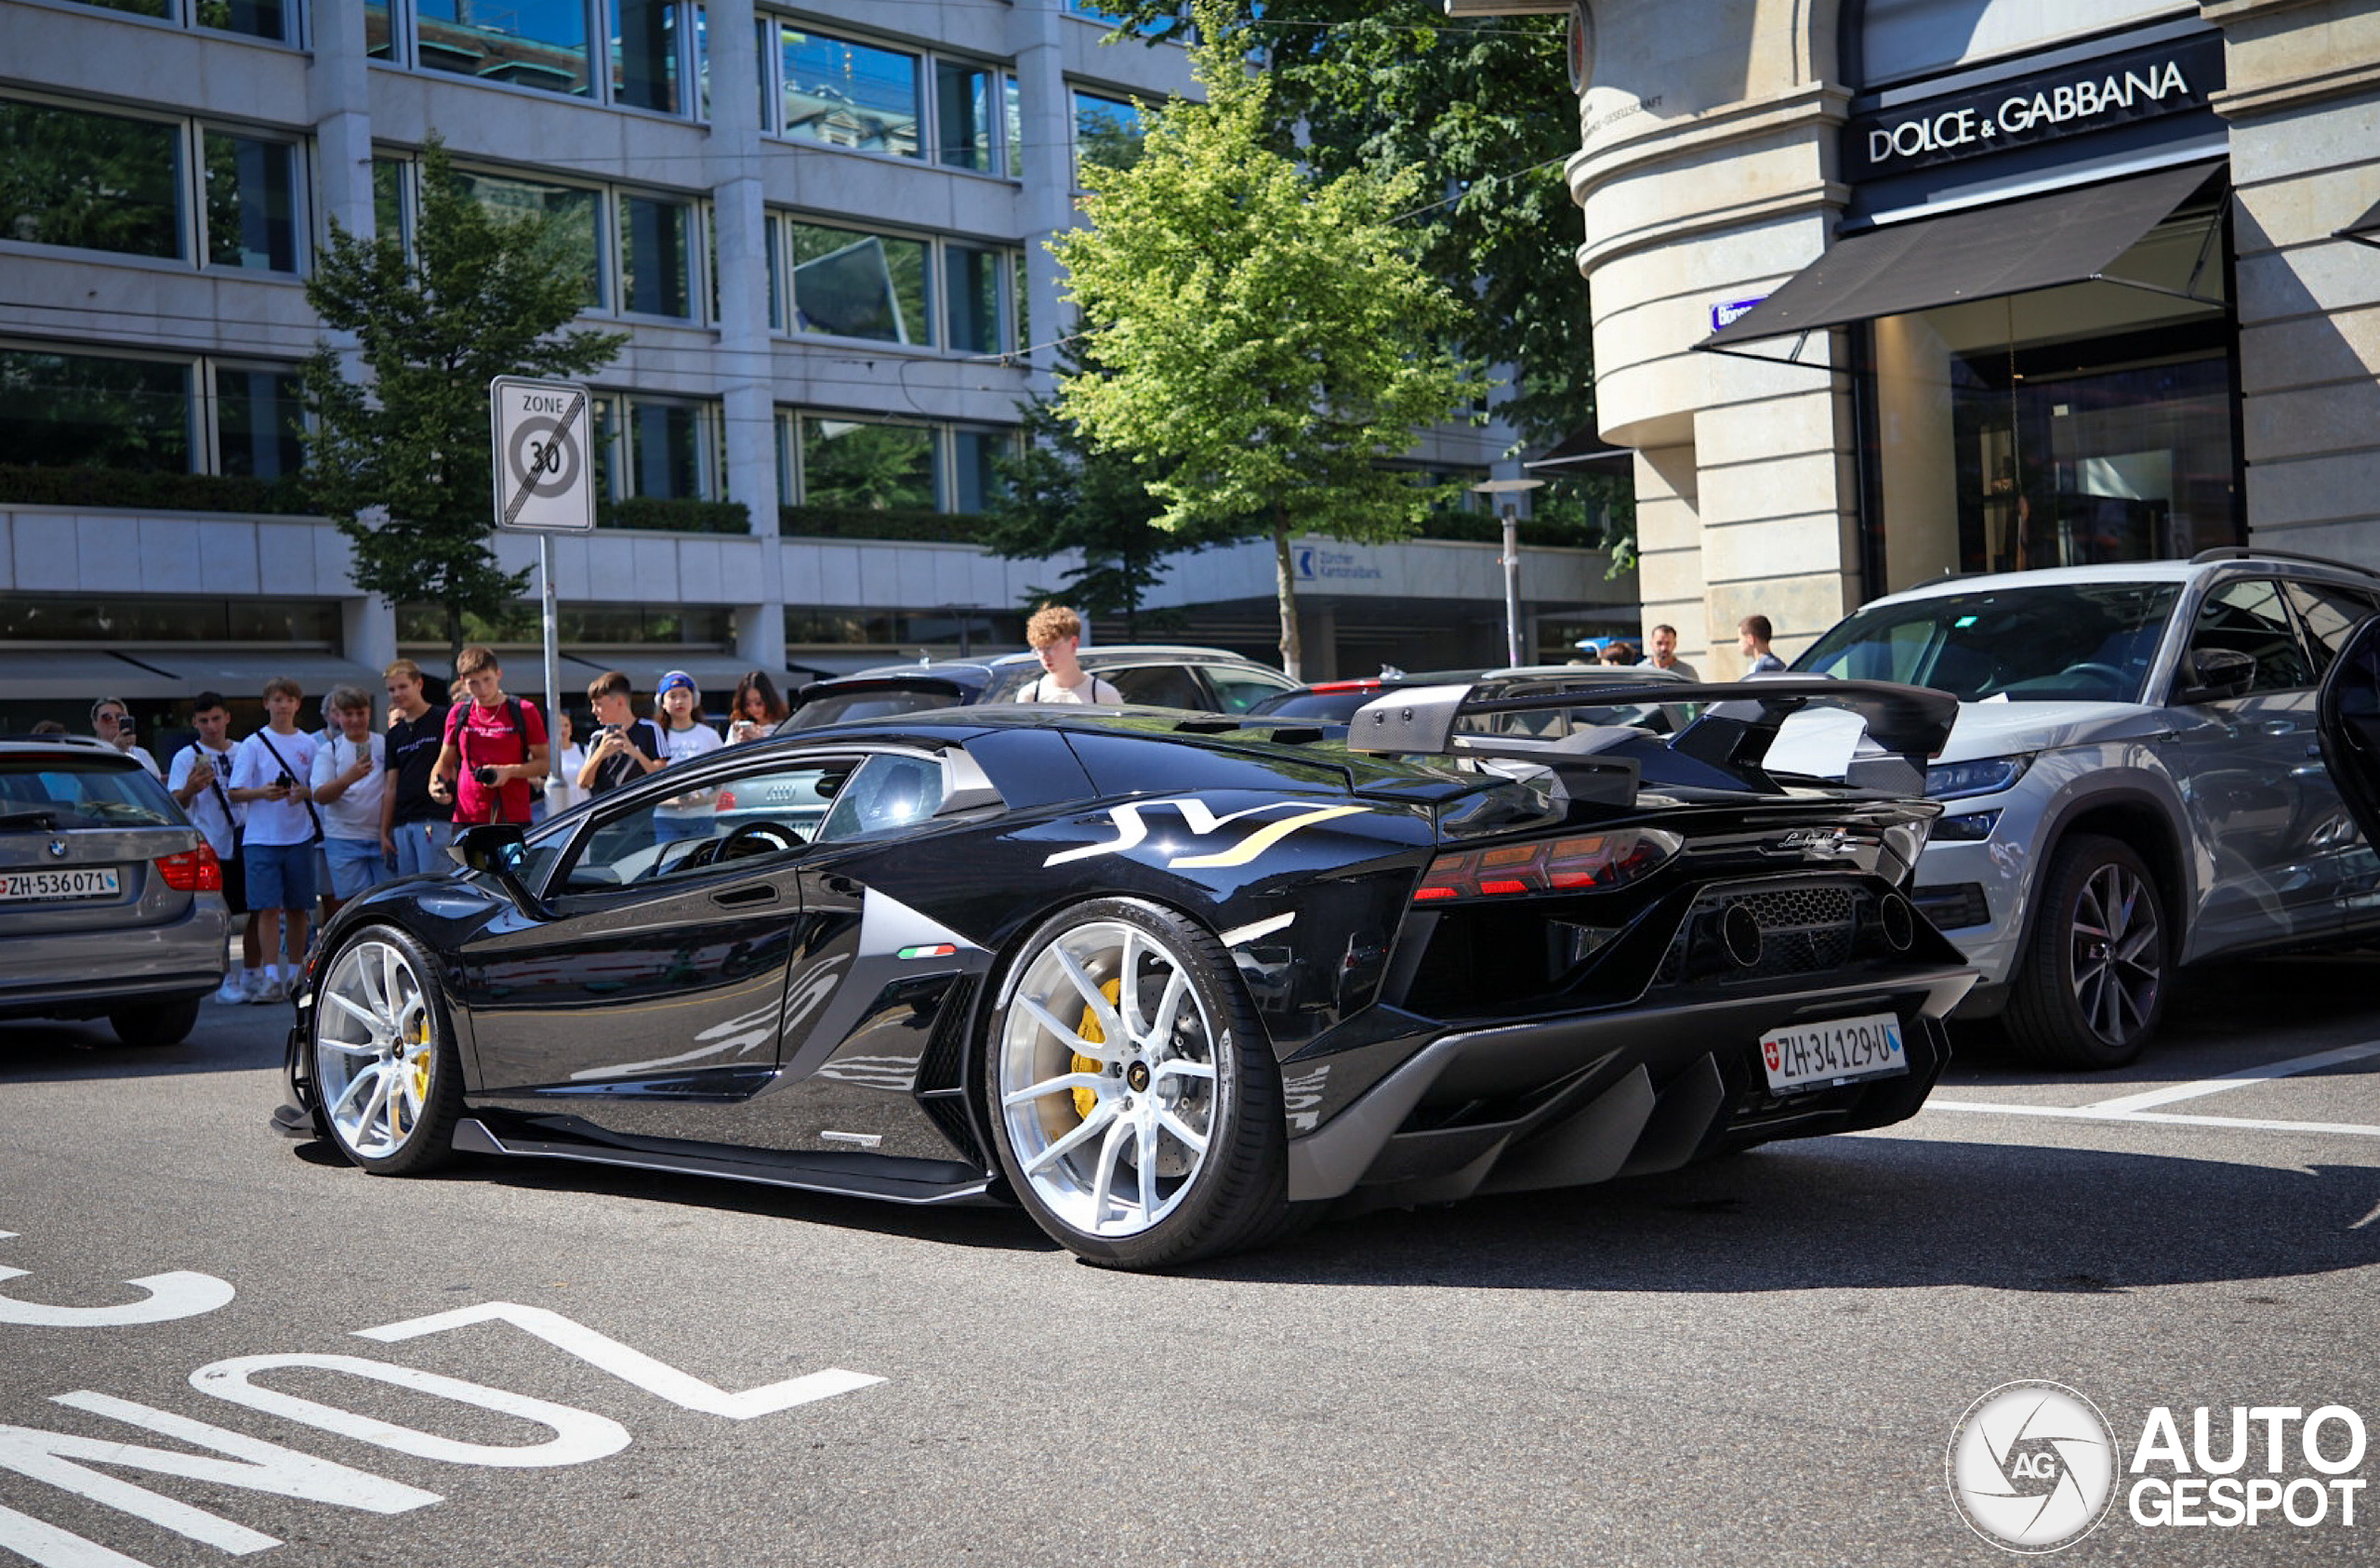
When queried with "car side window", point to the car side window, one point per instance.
{"points": [[768, 813], [889, 793], [1156, 686], [2328, 613], [2250, 617], [1238, 690]]}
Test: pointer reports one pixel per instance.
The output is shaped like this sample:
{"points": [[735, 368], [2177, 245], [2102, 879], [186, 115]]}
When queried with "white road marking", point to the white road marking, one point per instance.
{"points": [[2246, 1075], [2162, 1118], [579, 1435]]}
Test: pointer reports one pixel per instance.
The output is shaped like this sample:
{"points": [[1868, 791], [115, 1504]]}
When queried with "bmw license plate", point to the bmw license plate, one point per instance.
{"points": [[1841, 1050], [98, 882]]}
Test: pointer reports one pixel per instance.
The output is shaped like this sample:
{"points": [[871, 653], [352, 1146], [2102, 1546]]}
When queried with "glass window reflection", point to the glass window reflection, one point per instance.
{"points": [[842, 93]]}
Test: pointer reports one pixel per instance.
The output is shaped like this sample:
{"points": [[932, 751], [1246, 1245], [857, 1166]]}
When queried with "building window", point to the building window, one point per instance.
{"points": [[1108, 131], [974, 299], [579, 209], [391, 201], [655, 264], [838, 92], [85, 411], [93, 181], [656, 448], [645, 61], [850, 284], [260, 422], [251, 202], [145, 415], [379, 36], [866, 463], [525, 46], [256, 18], [975, 456]]}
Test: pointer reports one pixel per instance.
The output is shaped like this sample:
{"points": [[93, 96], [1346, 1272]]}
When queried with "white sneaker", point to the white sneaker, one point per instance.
{"points": [[231, 993], [275, 990], [252, 985]]}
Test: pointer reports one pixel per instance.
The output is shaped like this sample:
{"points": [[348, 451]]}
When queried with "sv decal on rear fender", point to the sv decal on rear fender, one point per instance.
{"points": [[1131, 829]]}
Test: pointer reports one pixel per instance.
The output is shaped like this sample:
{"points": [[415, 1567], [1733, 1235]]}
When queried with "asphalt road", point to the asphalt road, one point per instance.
{"points": [[1757, 1361]]}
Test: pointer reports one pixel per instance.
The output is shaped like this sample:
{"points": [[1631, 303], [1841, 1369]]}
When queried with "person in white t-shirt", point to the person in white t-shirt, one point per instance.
{"points": [[351, 776], [684, 736], [572, 761], [112, 721], [1055, 633], [201, 780], [273, 774]]}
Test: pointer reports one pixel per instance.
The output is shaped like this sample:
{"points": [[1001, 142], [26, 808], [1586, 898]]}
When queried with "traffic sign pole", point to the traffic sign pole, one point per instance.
{"points": [[543, 448]]}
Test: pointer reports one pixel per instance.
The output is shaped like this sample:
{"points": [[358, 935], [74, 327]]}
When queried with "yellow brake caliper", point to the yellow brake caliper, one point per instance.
{"points": [[417, 1057], [1088, 1030]]}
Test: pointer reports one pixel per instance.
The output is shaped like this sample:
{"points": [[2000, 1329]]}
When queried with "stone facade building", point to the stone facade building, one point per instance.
{"points": [[1884, 289]]}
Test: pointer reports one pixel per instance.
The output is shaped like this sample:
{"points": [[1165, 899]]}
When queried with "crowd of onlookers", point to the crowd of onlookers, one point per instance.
{"points": [[305, 819]]}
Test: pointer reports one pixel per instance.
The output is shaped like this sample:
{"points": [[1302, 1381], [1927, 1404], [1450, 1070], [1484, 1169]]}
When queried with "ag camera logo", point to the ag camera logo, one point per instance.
{"points": [[2032, 1466]]}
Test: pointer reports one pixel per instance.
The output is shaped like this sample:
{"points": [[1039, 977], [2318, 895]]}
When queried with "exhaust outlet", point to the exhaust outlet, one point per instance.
{"points": [[1739, 933], [1897, 920]]}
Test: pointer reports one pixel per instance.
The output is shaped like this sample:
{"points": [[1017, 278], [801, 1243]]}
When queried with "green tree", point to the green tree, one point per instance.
{"points": [[1263, 342], [1059, 493], [1481, 106], [481, 296]]}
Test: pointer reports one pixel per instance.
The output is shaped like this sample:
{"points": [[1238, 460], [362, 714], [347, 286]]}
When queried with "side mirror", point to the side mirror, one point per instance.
{"points": [[2212, 674], [493, 848]]}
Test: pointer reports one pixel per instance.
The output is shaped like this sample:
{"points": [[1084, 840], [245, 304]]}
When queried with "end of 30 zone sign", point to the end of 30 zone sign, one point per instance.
{"points": [[544, 451]]}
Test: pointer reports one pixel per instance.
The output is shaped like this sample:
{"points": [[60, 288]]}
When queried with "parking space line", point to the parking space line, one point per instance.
{"points": [[2164, 1118], [2246, 1075]]}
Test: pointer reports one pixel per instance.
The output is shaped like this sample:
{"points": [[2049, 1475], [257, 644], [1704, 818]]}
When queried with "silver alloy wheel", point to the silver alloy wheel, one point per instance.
{"points": [[375, 1049], [1106, 1078], [2118, 953]]}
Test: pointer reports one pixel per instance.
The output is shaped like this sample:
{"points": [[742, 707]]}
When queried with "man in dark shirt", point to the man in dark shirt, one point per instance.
{"points": [[624, 747], [414, 826]]}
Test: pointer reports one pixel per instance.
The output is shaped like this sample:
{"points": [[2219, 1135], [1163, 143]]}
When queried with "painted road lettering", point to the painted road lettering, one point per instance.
{"points": [[632, 1365], [576, 1437], [177, 1294]]}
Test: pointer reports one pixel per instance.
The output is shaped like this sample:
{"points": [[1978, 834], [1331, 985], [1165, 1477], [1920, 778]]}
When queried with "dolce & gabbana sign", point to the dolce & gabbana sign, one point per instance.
{"points": [[2075, 100]]}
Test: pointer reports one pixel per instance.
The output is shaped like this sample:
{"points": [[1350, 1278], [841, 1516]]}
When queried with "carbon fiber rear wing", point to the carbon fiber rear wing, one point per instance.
{"points": [[1907, 725]]}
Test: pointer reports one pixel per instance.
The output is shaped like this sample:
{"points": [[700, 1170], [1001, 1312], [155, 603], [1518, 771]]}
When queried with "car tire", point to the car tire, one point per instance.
{"points": [[1167, 1148], [386, 1074], [155, 1023], [2091, 986]]}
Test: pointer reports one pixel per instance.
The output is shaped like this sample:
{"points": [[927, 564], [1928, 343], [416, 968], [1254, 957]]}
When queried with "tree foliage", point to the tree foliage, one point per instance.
{"points": [[1483, 107], [1059, 493], [1264, 341], [402, 463]]}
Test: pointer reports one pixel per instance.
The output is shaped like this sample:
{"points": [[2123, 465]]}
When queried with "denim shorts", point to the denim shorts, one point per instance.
{"points": [[356, 864], [280, 875], [421, 845]]}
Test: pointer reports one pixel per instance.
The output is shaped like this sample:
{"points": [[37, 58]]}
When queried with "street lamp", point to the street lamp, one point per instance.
{"points": [[1504, 489]]}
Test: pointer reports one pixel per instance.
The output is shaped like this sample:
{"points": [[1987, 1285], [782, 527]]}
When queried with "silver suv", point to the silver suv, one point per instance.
{"points": [[2134, 782], [111, 902]]}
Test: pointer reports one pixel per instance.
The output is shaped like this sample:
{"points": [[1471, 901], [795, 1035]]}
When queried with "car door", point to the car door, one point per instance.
{"points": [[2241, 764], [655, 969], [2348, 723]]}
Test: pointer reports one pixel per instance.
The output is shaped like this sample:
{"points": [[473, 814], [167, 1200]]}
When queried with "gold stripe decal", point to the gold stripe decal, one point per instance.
{"points": [[1263, 839]]}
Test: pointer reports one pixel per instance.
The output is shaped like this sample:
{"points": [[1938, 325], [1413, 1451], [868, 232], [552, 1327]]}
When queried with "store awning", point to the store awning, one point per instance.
{"points": [[2364, 230], [1583, 452], [238, 674], [72, 677], [1980, 253]]}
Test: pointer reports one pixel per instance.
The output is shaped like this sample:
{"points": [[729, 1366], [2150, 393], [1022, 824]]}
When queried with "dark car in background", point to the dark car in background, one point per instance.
{"points": [[111, 902], [1147, 675], [1335, 702]]}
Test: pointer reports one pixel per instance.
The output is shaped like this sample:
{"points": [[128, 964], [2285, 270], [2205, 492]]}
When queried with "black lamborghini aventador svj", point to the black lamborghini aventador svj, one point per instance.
{"points": [[1172, 982]]}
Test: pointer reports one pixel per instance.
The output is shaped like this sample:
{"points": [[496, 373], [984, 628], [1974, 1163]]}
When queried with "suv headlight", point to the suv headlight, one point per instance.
{"points": [[1955, 781]]}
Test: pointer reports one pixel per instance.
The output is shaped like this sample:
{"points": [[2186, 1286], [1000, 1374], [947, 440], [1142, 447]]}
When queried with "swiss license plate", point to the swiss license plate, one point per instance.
{"points": [[95, 882], [1838, 1051]]}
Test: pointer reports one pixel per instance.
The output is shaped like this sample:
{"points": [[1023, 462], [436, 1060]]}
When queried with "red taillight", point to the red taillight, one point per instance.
{"points": [[1344, 686], [1577, 863], [193, 871]]}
